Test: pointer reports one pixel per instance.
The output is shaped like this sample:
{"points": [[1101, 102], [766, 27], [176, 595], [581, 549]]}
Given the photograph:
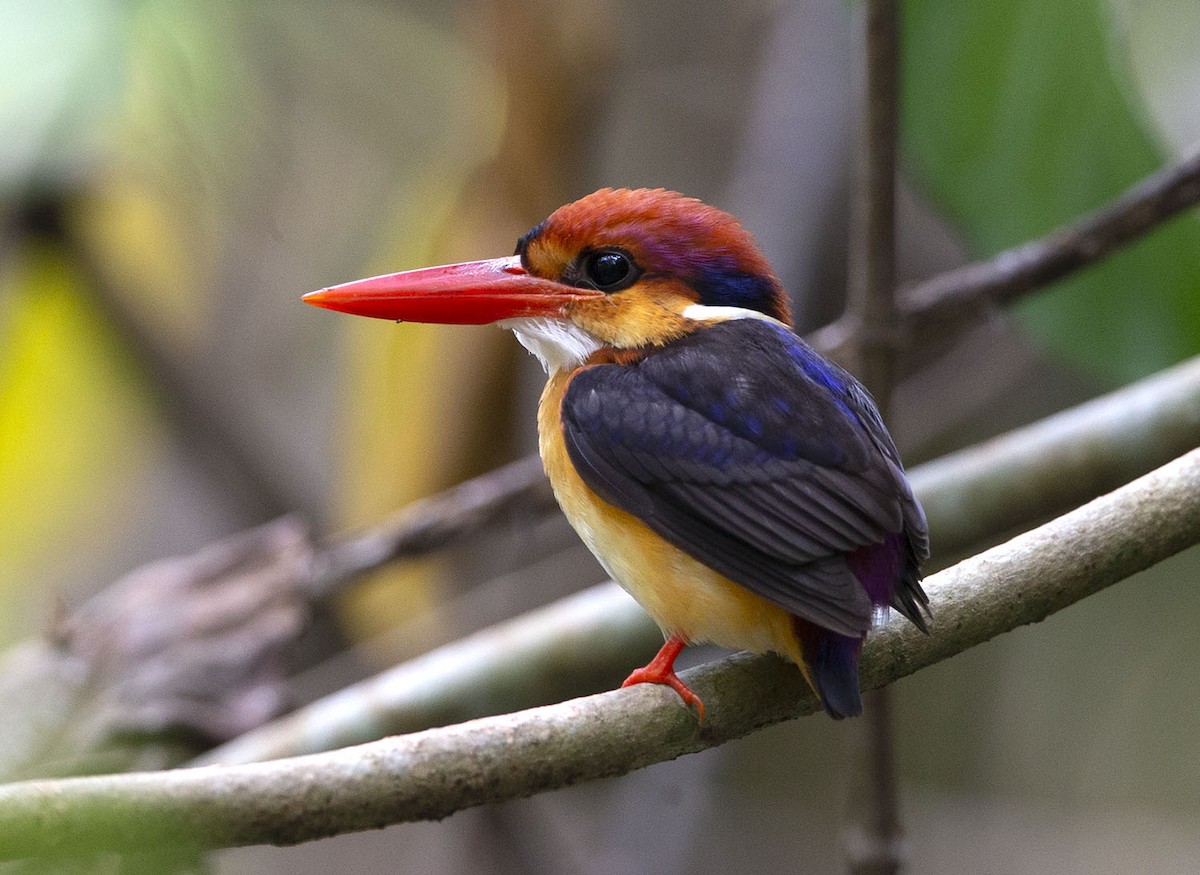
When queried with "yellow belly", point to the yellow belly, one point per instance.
{"points": [[683, 596]]}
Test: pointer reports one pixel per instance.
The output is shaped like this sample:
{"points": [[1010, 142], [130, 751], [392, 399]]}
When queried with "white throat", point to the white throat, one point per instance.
{"points": [[558, 345]]}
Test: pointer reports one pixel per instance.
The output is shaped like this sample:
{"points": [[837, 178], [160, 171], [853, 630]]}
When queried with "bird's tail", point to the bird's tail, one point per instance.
{"points": [[831, 663]]}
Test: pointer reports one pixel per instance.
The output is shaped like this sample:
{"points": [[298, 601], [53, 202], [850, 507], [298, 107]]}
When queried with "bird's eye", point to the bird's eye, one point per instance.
{"points": [[609, 270]]}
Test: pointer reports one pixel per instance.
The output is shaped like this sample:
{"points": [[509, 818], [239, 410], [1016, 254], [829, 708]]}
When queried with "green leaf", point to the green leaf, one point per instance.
{"points": [[1015, 121]]}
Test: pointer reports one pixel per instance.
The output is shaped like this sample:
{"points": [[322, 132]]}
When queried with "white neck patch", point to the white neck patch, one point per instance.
{"points": [[559, 345], [704, 313]]}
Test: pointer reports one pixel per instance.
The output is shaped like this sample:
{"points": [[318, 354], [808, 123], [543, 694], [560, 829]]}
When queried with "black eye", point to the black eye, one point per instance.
{"points": [[609, 270]]}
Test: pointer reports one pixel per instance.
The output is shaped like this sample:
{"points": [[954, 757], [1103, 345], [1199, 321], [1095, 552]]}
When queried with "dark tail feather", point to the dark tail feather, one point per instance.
{"points": [[832, 662]]}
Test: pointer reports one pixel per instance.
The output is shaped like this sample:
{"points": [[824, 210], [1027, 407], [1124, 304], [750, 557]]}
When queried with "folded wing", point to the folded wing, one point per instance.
{"points": [[769, 466]]}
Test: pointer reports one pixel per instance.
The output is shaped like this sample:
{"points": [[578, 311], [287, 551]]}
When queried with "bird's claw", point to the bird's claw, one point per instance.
{"points": [[650, 675]]}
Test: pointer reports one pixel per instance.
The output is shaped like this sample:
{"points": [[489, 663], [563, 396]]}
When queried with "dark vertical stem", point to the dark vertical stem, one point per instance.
{"points": [[872, 841], [870, 296]]}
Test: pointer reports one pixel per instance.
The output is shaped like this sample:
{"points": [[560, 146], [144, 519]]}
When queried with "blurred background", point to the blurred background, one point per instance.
{"points": [[174, 176]]}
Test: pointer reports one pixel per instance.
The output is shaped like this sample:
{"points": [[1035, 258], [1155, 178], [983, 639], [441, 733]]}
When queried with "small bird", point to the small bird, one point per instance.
{"points": [[741, 487]]}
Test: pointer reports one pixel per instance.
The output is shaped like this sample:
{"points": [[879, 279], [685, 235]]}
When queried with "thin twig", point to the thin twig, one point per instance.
{"points": [[946, 305], [943, 299], [435, 523], [435, 773]]}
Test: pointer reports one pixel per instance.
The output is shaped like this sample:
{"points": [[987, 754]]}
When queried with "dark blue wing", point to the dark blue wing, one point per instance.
{"points": [[742, 447]]}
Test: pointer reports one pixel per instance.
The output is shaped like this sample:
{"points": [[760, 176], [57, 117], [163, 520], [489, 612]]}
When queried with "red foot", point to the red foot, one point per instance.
{"points": [[661, 670]]}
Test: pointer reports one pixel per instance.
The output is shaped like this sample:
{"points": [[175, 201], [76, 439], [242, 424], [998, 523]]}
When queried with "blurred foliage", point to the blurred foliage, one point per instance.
{"points": [[1020, 116], [215, 162], [71, 404]]}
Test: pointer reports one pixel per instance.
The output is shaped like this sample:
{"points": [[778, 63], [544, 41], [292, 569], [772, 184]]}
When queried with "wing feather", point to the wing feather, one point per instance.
{"points": [[769, 465]]}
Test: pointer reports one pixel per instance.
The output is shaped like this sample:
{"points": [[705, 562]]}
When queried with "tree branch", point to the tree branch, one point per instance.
{"points": [[435, 523], [946, 305], [431, 774], [1031, 473], [174, 657]]}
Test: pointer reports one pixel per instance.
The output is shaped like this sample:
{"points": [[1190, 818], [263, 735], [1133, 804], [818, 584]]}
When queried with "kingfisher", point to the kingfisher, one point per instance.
{"points": [[741, 487]]}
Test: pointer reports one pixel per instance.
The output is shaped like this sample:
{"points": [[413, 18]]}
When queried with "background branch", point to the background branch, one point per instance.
{"points": [[975, 495], [576, 645], [435, 523], [434, 773], [946, 305], [174, 657]]}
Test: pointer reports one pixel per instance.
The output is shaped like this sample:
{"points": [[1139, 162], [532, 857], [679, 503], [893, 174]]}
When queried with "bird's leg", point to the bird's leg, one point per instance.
{"points": [[661, 670]]}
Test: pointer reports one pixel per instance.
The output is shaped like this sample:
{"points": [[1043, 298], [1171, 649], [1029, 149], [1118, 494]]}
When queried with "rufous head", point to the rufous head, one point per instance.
{"points": [[625, 268]]}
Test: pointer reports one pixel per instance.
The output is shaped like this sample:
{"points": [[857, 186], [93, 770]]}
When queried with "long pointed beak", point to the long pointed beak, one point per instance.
{"points": [[472, 293]]}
